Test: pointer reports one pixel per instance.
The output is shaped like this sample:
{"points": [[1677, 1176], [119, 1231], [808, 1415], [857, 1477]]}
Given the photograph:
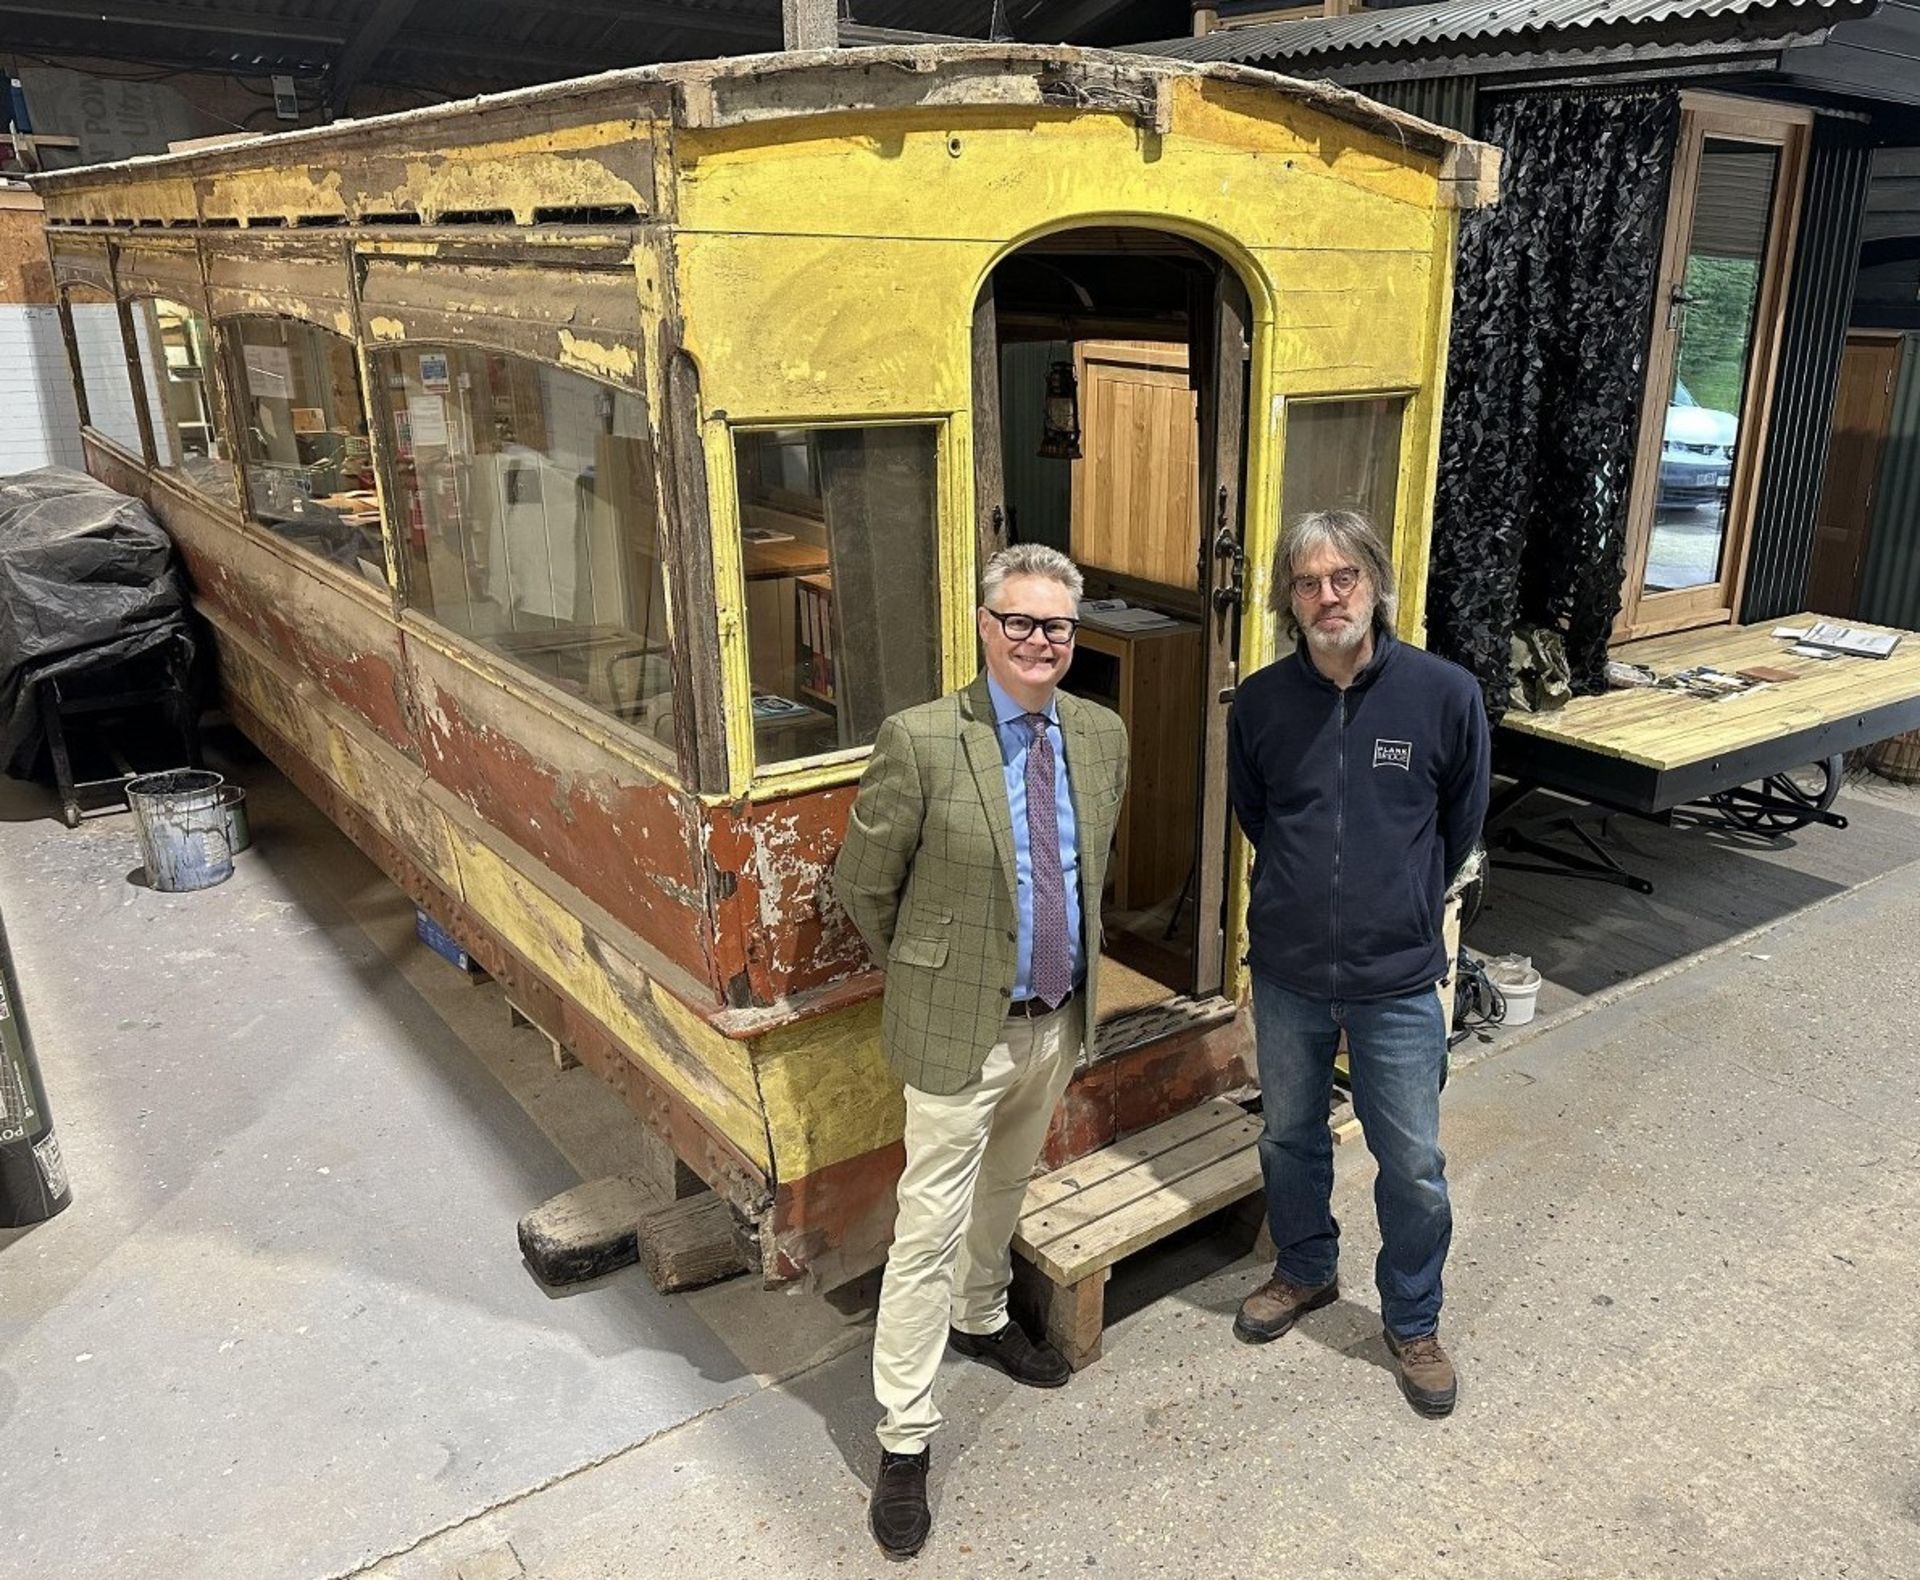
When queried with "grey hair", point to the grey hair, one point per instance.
{"points": [[1349, 532], [1030, 559]]}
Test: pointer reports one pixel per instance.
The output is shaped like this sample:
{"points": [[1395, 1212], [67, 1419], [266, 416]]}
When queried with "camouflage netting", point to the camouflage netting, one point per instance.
{"points": [[1553, 301]]}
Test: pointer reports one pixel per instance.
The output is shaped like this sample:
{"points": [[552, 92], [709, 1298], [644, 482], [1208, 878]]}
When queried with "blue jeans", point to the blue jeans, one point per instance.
{"points": [[1397, 1051]]}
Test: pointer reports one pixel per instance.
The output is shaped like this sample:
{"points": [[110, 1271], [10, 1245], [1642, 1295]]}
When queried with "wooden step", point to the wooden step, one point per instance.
{"points": [[1079, 1220]]}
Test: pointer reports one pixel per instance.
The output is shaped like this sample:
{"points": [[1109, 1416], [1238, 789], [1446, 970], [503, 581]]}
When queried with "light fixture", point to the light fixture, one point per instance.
{"points": [[1060, 438]]}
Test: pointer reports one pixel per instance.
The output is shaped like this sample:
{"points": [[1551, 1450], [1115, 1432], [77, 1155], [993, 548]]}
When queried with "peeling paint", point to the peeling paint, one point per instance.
{"points": [[386, 328], [602, 361]]}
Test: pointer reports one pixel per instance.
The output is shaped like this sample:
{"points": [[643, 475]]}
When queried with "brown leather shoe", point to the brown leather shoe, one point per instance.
{"points": [[1426, 1375], [1037, 1365], [1276, 1305], [897, 1513]]}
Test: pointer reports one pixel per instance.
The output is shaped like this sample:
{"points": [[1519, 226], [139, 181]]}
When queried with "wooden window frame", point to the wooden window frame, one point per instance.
{"points": [[1787, 129], [670, 763], [751, 777]]}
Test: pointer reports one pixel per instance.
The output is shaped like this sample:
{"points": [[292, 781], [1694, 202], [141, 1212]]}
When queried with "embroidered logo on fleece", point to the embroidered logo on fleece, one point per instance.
{"points": [[1393, 754]]}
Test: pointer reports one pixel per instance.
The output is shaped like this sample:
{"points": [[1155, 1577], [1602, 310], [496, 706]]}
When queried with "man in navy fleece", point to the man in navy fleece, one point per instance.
{"points": [[1358, 769]]}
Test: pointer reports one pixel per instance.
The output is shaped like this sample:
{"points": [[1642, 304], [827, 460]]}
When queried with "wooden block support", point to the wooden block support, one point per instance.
{"points": [[588, 1231], [563, 1058], [690, 1244]]}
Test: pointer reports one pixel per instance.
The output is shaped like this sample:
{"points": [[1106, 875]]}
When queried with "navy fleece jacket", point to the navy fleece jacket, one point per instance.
{"points": [[1359, 805]]}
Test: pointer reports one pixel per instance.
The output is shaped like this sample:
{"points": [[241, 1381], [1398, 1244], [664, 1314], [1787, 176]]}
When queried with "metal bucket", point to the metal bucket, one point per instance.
{"points": [[239, 835], [182, 825]]}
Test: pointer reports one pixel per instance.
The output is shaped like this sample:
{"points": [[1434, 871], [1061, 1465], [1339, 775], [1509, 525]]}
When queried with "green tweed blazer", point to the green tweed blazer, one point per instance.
{"points": [[927, 873]]}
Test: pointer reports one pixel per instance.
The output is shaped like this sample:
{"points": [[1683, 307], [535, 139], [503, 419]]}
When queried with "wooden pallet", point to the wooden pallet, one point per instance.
{"points": [[1080, 1220]]}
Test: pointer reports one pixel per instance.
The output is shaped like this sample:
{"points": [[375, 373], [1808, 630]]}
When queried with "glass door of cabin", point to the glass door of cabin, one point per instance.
{"points": [[1732, 208]]}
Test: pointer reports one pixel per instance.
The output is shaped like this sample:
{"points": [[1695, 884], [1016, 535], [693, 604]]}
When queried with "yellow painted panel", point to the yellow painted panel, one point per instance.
{"points": [[712, 1073], [985, 175], [285, 190], [829, 1094]]}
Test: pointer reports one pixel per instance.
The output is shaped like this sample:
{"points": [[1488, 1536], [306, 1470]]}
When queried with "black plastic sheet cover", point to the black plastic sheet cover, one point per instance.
{"points": [[88, 580]]}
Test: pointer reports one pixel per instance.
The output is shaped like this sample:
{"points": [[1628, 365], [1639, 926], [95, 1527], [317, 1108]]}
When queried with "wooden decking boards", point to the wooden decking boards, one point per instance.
{"points": [[1664, 730]]}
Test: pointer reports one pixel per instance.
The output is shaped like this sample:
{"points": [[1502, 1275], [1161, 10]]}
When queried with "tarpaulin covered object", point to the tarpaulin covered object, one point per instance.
{"points": [[88, 580]]}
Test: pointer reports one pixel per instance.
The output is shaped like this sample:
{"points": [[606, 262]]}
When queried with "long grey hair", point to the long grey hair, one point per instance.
{"points": [[1348, 533]]}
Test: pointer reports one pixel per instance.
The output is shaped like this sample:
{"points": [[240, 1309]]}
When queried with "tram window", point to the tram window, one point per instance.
{"points": [[1344, 455], [303, 439], [103, 366], [527, 520], [839, 544], [174, 354]]}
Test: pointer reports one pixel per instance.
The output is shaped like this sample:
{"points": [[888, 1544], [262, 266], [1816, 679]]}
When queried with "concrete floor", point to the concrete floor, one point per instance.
{"points": [[285, 1331]]}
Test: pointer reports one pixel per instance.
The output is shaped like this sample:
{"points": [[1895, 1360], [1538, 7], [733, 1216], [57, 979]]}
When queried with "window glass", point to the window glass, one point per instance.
{"points": [[1718, 311], [175, 353], [527, 521], [103, 366], [1344, 455], [303, 439], [839, 543]]}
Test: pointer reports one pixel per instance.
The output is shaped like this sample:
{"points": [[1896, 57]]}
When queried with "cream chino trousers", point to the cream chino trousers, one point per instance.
{"points": [[969, 1157]]}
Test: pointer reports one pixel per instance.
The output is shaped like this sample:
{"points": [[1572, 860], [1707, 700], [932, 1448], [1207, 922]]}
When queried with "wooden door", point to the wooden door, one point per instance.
{"points": [[1869, 369], [1224, 335], [1135, 509], [1733, 207]]}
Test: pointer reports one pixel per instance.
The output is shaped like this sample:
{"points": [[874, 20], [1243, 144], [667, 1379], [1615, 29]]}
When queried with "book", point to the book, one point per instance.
{"points": [[1851, 639]]}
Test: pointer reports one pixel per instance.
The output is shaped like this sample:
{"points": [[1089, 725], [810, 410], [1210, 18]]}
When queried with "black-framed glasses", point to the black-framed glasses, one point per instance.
{"points": [[1018, 627], [1343, 581]]}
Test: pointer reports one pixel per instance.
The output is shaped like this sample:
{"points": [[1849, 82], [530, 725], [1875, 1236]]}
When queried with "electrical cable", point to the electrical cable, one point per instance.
{"points": [[1478, 1005]]}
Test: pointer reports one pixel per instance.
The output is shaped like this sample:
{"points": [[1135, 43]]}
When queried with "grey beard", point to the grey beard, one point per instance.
{"points": [[1338, 642]]}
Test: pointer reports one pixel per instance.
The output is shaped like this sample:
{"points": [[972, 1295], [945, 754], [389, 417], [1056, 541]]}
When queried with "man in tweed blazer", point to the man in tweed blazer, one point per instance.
{"points": [[973, 866]]}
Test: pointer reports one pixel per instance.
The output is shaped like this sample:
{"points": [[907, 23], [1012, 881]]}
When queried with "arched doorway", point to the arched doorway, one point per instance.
{"points": [[1110, 401]]}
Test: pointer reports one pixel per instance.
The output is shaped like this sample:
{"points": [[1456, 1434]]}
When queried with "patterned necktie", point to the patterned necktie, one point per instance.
{"points": [[1050, 973]]}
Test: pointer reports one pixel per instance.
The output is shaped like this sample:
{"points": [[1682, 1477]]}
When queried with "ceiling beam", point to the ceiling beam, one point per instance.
{"points": [[145, 13], [370, 39]]}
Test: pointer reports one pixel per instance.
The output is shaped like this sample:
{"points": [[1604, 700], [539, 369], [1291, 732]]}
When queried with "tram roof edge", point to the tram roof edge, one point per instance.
{"points": [[747, 90]]}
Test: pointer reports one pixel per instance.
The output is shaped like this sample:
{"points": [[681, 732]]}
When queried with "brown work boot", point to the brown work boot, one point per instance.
{"points": [[1426, 1375], [1276, 1305]]}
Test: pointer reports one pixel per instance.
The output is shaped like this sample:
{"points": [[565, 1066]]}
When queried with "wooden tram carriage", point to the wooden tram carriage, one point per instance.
{"points": [[572, 479]]}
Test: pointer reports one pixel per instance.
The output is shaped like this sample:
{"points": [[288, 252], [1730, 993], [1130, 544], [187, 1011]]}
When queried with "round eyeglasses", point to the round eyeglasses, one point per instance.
{"points": [[1018, 627], [1343, 581]]}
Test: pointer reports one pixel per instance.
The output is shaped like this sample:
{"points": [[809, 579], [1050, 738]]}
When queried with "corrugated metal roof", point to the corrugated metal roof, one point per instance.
{"points": [[1463, 25]]}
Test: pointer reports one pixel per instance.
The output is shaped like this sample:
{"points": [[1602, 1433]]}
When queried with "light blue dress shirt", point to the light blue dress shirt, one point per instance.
{"points": [[1016, 740]]}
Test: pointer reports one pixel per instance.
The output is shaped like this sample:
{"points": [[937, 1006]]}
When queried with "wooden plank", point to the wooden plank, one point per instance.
{"points": [[1086, 1208], [1087, 1172], [1149, 1219]]}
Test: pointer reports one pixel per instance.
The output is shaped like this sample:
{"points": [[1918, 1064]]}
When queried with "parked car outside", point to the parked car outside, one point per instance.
{"points": [[1696, 452]]}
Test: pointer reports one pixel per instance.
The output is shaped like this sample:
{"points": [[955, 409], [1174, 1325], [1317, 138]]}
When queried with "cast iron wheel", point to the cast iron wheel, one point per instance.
{"points": [[1784, 802]]}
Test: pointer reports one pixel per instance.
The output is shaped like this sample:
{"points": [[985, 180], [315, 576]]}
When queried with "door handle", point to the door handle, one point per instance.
{"points": [[1233, 557]]}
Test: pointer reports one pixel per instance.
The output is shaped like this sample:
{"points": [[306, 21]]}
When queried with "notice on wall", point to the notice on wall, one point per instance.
{"points": [[309, 419], [433, 373], [427, 419], [270, 372]]}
